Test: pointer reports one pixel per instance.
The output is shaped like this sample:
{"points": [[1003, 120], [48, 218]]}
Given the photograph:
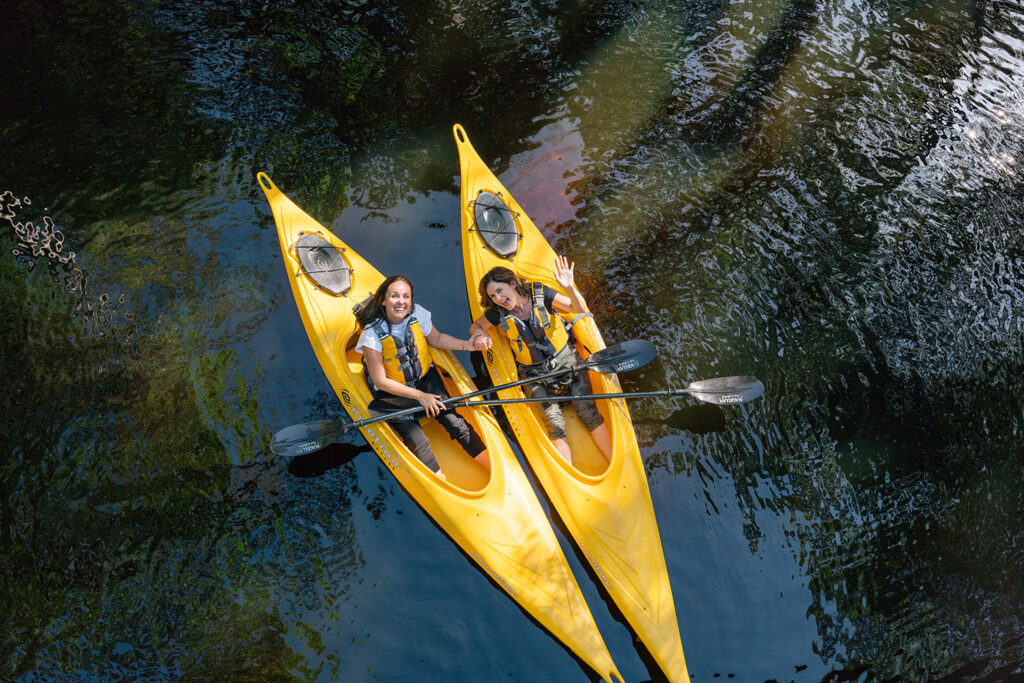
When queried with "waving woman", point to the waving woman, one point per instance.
{"points": [[527, 314]]}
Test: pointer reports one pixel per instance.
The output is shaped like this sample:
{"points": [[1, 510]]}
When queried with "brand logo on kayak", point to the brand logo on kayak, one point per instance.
{"points": [[346, 398], [389, 458], [730, 398], [490, 357], [495, 575], [597, 568], [381, 447], [628, 365]]}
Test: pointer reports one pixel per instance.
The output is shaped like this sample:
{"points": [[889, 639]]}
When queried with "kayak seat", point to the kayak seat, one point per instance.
{"points": [[353, 359], [496, 224], [349, 352], [350, 346], [362, 304], [323, 263]]}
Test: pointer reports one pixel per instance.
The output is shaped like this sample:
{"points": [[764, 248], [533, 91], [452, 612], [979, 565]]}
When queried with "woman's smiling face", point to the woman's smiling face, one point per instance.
{"points": [[503, 294], [398, 301]]}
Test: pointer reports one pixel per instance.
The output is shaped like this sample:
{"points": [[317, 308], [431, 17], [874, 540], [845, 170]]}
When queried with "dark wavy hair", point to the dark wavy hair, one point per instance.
{"points": [[505, 276], [375, 309]]}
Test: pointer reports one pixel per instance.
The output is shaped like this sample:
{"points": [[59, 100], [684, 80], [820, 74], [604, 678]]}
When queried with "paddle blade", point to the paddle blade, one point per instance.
{"points": [[307, 437], [629, 355], [726, 390]]}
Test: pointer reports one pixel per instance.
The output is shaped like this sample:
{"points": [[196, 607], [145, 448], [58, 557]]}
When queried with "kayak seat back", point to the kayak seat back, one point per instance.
{"points": [[496, 224], [362, 304], [323, 263]]}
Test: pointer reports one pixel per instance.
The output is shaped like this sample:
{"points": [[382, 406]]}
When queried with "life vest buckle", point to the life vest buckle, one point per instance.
{"points": [[559, 386]]}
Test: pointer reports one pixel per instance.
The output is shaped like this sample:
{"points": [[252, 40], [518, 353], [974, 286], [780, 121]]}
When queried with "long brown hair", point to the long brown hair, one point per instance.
{"points": [[375, 309], [504, 276]]}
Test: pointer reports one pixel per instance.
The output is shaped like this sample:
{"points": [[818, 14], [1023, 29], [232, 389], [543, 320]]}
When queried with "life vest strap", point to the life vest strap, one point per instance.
{"points": [[539, 307], [581, 316]]}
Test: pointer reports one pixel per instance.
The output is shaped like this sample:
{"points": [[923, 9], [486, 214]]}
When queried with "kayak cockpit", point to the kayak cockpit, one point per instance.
{"points": [[462, 473], [587, 459]]}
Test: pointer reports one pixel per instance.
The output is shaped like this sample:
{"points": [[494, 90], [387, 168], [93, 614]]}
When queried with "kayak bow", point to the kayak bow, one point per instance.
{"points": [[605, 506], [497, 519]]}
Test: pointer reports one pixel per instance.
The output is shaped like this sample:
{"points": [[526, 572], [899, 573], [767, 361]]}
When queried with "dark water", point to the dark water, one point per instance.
{"points": [[826, 196]]}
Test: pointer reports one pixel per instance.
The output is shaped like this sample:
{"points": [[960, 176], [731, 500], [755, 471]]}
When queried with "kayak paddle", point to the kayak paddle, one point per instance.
{"points": [[719, 391], [312, 436]]}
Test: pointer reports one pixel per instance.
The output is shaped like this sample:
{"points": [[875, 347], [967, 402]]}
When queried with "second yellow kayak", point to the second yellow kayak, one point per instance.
{"points": [[605, 506]]}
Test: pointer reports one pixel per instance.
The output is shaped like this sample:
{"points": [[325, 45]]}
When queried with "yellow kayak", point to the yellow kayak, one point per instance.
{"points": [[605, 506], [497, 519]]}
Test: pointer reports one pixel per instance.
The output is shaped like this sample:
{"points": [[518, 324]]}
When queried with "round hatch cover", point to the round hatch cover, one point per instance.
{"points": [[496, 224], [323, 263]]}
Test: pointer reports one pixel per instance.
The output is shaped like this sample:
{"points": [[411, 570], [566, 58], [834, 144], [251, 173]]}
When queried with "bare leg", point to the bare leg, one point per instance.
{"points": [[603, 441], [484, 459], [562, 446]]}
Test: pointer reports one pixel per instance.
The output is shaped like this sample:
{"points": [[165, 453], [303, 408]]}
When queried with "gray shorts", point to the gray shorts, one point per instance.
{"points": [[553, 418]]}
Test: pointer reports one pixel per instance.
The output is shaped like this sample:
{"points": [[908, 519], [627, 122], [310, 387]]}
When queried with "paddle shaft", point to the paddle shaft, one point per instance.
{"points": [[566, 399], [726, 398], [720, 391]]}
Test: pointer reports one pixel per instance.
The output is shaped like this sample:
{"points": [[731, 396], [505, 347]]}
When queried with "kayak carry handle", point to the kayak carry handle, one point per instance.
{"points": [[265, 182], [460, 133]]}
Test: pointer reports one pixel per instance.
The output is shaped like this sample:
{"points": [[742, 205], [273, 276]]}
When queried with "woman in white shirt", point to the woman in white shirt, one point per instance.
{"points": [[394, 342]]}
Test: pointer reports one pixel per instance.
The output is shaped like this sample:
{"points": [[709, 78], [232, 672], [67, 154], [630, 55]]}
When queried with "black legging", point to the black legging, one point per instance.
{"points": [[412, 434]]}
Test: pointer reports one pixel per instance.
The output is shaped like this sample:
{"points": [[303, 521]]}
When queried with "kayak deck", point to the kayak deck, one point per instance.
{"points": [[606, 506], [495, 518]]}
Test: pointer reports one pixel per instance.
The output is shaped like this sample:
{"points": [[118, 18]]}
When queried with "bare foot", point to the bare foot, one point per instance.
{"points": [[562, 446]]}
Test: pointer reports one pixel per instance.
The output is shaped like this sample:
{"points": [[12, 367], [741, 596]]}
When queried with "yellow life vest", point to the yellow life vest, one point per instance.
{"points": [[539, 338], [405, 360]]}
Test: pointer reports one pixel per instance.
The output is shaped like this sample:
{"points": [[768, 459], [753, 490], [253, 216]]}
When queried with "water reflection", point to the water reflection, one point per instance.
{"points": [[698, 419]]}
